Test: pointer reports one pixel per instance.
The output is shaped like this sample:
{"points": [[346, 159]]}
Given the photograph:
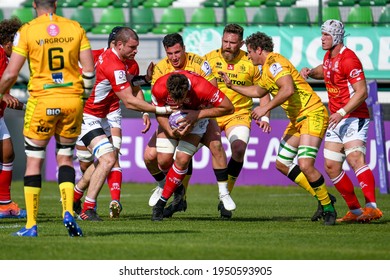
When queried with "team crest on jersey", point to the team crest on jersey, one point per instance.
{"points": [[53, 30], [120, 77], [206, 68], [230, 67], [275, 69]]}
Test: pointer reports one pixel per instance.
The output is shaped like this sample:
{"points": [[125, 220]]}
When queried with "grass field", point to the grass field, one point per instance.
{"points": [[270, 223]]}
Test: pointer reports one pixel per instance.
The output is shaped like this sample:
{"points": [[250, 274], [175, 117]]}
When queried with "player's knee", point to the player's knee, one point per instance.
{"points": [[33, 150], [238, 149]]}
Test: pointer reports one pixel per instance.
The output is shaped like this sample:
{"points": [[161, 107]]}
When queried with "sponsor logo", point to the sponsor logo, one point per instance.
{"points": [[53, 111], [53, 30], [355, 72], [55, 40]]}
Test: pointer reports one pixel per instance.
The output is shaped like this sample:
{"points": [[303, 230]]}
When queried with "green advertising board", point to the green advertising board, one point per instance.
{"points": [[302, 45]]}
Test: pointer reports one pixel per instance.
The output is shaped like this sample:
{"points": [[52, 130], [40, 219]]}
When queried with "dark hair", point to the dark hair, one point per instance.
{"points": [[112, 35], [172, 39], [177, 86], [8, 28], [45, 3], [235, 29], [124, 34], [260, 40]]}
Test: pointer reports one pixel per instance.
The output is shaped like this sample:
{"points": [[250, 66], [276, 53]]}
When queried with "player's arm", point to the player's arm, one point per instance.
{"points": [[314, 73], [88, 71], [132, 102], [253, 91], [11, 73]]}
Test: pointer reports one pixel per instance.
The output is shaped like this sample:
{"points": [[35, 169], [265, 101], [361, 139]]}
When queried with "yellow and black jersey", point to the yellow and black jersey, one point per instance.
{"points": [[304, 98], [194, 63], [241, 71], [52, 45]]}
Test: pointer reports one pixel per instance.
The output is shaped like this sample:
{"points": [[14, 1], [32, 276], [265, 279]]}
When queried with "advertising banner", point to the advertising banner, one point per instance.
{"points": [[259, 167], [302, 45]]}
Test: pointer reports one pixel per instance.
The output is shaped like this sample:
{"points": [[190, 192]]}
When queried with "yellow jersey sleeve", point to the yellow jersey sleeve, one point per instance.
{"points": [[52, 45], [303, 99]]}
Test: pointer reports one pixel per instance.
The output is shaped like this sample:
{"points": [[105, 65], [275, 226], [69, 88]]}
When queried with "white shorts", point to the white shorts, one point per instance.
{"points": [[4, 133], [348, 130], [91, 123], [114, 119]]}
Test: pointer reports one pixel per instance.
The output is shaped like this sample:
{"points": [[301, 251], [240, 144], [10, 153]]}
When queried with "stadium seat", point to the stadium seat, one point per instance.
{"points": [[217, 3], [126, 3], [384, 17], [203, 17], [84, 16], [142, 20], [265, 16], [69, 3], [373, 2], [249, 3], [279, 3], [360, 16], [236, 15], [172, 20], [348, 3], [329, 13], [97, 3], [157, 3], [24, 14], [297, 16], [109, 18]]}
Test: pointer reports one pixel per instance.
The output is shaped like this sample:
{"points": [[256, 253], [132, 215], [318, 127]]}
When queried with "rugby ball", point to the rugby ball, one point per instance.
{"points": [[174, 117]]}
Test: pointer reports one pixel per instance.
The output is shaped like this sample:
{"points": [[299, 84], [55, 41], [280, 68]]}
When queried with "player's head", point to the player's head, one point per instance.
{"points": [[46, 5], [126, 43], [8, 29], [334, 28], [111, 37], [178, 86], [175, 50], [232, 41], [172, 39], [260, 40]]}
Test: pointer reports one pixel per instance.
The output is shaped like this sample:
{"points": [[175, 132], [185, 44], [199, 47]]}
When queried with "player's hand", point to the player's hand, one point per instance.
{"points": [[147, 122], [305, 72], [334, 119], [191, 118], [12, 102], [265, 126], [225, 78], [149, 72], [258, 112]]}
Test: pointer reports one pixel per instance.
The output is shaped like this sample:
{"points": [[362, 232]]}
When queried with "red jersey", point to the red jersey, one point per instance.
{"points": [[101, 100], [3, 64], [340, 73], [110, 78], [202, 93]]}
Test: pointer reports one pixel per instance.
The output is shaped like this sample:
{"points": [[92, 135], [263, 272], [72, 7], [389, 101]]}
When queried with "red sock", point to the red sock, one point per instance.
{"points": [[78, 194], [114, 181], [89, 204], [174, 178], [5, 182], [345, 187], [367, 183]]}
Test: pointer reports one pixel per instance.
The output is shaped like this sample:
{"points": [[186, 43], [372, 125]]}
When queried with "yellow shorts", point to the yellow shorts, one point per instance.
{"points": [[237, 118], [313, 123], [46, 116]]}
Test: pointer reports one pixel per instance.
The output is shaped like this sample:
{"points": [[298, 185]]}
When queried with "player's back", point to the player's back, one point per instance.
{"points": [[52, 44]]}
